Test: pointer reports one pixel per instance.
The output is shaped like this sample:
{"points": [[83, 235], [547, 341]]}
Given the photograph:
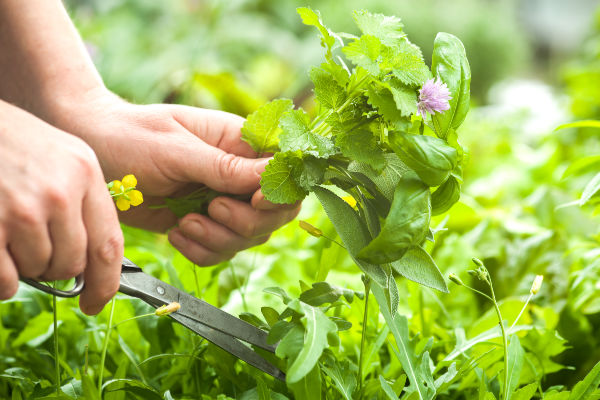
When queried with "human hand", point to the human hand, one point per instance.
{"points": [[173, 150], [57, 219]]}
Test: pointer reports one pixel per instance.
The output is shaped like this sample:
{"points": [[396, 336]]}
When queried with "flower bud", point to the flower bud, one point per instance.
{"points": [[477, 262], [537, 284], [310, 229], [167, 309], [454, 278]]}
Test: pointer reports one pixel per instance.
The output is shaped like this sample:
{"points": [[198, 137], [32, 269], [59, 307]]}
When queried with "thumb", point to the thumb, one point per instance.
{"points": [[226, 172]]}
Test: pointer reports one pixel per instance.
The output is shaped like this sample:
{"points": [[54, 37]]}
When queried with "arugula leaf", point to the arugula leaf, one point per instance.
{"points": [[318, 327], [297, 135], [516, 360], [406, 224], [261, 128], [278, 182], [449, 63]]}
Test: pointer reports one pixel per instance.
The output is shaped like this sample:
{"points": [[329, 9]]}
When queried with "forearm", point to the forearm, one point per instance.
{"points": [[44, 66]]}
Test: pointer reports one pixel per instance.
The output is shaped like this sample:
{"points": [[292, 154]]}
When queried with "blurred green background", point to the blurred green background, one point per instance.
{"points": [[535, 64]]}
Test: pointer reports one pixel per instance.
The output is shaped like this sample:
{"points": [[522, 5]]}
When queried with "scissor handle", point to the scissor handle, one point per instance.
{"points": [[73, 292]]}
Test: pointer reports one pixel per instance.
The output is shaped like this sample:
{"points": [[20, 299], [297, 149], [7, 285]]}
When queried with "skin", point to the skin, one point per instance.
{"points": [[171, 149]]}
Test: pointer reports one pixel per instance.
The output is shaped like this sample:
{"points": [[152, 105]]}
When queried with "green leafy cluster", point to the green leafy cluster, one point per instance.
{"points": [[368, 141]]}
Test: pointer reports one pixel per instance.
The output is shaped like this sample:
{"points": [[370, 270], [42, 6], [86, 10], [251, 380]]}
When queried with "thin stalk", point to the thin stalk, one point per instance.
{"points": [[131, 319], [422, 308], [363, 338], [520, 313], [504, 342], [238, 284], [105, 347], [56, 355]]}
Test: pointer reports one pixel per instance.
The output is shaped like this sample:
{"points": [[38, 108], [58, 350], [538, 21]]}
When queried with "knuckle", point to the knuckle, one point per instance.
{"points": [[227, 166], [26, 216], [111, 250], [57, 198], [66, 271], [248, 229]]}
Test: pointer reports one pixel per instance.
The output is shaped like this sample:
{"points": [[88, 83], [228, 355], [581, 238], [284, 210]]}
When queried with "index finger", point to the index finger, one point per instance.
{"points": [[105, 250]]}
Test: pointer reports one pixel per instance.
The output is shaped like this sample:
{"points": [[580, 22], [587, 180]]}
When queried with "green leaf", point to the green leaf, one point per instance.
{"points": [[590, 190], [323, 292], [526, 392], [352, 230], [343, 377], [278, 292], [364, 52], [137, 388], [516, 359], [405, 98], [582, 165], [278, 182], [406, 61], [431, 158], [292, 343], [406, 224], [261, 129], [318, 326], [37, 330], [490, 334], [327, 90], [361, 145], [309, 387], [585, 389], [445, 196], [383, 100], [386, 180], [388, 29], [297, 135], [580, 124], [418, 266], [312, 173], [404, 347], [387, 389], [270, 315], [449, 63], [328, 38]]}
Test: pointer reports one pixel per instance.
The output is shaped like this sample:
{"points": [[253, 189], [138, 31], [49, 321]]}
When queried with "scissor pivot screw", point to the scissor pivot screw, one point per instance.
{"points": [[160, 290]]}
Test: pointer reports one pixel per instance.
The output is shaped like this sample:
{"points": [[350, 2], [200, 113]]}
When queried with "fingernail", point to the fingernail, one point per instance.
{"points": [[221, 212], [192, 227], [259, 167], [176, 238]]}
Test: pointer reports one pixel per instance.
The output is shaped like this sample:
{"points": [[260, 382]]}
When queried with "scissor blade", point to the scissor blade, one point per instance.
{"points": [[230, 345], [156, 293]]}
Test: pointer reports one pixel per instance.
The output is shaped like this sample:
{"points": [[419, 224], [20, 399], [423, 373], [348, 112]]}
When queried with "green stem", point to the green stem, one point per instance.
{"points": [[56, 355], [239, 286], [131, 319], [504, 342], [363, 338], [105, 347], [520, 313]]}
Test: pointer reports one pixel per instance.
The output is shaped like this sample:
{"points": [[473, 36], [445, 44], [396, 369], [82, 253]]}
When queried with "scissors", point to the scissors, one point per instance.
{"points": [[210, 322]]}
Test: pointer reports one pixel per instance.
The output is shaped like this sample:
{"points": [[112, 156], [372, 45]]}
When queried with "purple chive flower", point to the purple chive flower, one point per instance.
{"points": [[433, 97]]}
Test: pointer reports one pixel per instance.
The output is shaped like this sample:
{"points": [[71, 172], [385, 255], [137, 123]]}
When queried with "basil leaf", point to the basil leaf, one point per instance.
{"points": [[449, 63], [431, 158], [406, 224], [445, 196]]}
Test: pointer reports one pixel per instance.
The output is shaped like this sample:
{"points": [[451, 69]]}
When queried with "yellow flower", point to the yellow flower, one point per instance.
{"points": [[537, 284], [316, 232], [124, 192], [350, 200]]}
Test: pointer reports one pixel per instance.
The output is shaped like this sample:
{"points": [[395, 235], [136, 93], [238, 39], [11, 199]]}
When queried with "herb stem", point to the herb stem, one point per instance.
{"points": [[504, 341], [520, 313], [56, 355], [105, 347], [239, 286], [363, 338]]}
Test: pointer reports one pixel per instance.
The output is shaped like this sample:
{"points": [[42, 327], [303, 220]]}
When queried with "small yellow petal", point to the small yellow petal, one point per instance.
{"points": [[129, 181], [135, 197], [116, 186], [122, 204], [350, 200]]}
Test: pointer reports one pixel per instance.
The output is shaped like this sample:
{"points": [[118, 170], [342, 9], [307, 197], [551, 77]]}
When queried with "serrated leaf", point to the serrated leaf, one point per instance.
{"points": [[405, 98], [328, 38], [418, 266], [327, 90], [361, 145], [406, 224], [387, 389], [343, 377], [386, 180], [312, 173], [450, 64], [261, 128], [317, 327], [407, 64], [278, 181], [382, 99], [297, 136], [323, 292], [364, 52], [388, 29]]}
